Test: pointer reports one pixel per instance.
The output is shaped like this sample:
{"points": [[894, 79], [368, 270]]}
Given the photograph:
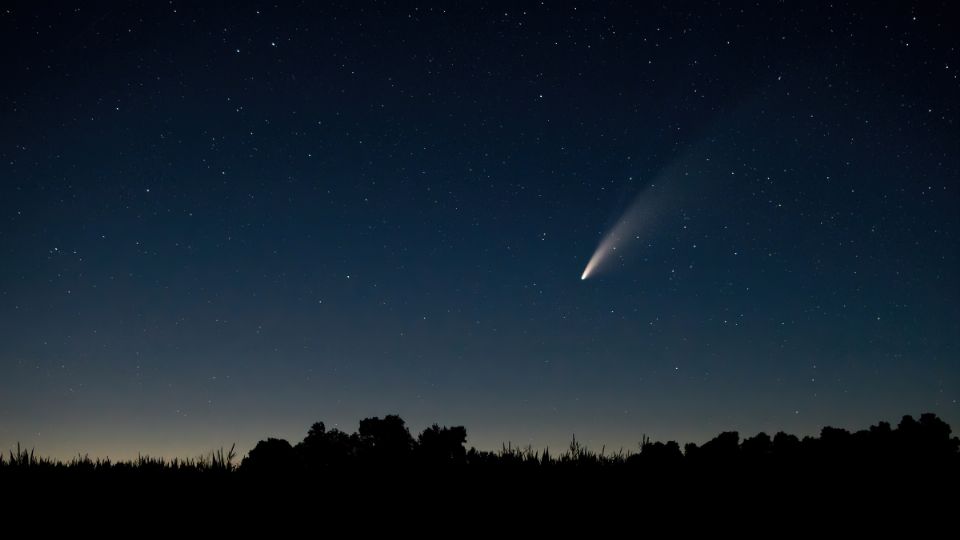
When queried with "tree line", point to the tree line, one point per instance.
{"points": [[381, 444], [387, 442]]}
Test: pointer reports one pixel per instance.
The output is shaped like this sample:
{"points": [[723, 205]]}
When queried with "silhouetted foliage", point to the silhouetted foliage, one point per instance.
{"points": [[757, 448], [928, 437], [386, 440], [664, 454], [915, 444], [271, 456], [834, 443], [442, 445], [786, 446], [723, 447], [322, 448]]}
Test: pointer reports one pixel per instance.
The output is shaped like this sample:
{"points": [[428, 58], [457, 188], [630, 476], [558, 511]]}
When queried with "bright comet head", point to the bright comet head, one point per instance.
{"points": [[591, 265]]}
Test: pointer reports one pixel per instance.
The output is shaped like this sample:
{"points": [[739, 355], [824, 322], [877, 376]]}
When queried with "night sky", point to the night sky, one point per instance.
{"points": [[221, 224]]}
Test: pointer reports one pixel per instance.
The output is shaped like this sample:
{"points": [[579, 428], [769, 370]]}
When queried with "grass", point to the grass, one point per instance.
{"points": [[217, 461]]}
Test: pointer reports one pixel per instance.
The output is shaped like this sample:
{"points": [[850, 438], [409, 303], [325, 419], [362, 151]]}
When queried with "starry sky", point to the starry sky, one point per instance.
{"points": [[221, 224]]}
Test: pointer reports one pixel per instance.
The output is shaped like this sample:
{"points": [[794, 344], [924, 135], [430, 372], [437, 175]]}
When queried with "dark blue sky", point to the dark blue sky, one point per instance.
{"points": [[224, 224]]}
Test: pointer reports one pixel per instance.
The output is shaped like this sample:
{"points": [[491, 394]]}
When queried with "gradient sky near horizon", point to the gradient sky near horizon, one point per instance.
{"points": [[221, 224]]}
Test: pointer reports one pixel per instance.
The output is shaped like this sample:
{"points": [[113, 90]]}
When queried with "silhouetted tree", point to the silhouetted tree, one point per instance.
{"points": [[724, 446], [385, 440], [786, 446], [657, 454], [442, 445], [481, 457], [929, 438], [757, 448], [875, 445], [835, 444], [270, 456], [322, 448]]}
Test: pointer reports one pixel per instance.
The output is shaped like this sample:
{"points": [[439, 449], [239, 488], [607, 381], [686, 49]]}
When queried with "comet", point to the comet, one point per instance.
{"points": [[633, 225], [612, 244], [695, 170]]}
